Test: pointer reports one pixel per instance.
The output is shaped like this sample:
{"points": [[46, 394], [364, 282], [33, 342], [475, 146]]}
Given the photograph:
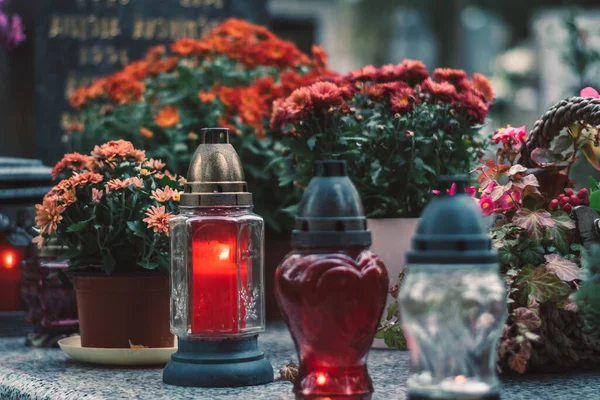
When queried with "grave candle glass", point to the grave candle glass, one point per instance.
{"points": [[453, 301], [217, 289], [331, 289]]}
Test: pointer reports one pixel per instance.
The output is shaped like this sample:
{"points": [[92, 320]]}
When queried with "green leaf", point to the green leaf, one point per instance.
{"points": [[562, 232], [392, 309], [380, 334], [592, 183], [394, 338], [138, 228], [562, 143], [79, 226], [588, 151], [544, 285], [530, 252], [534, 222], [564, 269], [595, 200]]}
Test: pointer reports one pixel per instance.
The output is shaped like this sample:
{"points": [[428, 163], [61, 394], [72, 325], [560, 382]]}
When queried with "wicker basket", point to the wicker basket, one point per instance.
{"points": [[564, 345]]}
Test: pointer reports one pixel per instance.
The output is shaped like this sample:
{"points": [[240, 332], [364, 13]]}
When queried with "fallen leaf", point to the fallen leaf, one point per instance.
{"points": [[137, 346]]}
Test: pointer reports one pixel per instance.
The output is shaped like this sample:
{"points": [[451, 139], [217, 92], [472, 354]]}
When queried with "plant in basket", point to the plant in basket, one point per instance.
{"points": [[229, 78], [112, 212], [398, 129], [527, 188]]}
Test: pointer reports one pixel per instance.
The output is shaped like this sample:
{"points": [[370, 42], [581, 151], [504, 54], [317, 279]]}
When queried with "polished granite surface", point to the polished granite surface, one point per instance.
{"points": [[48, 374]]}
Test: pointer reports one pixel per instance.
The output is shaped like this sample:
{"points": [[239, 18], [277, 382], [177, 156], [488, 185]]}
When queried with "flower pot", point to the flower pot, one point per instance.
{"points": [[118, 311], [391, 241]]}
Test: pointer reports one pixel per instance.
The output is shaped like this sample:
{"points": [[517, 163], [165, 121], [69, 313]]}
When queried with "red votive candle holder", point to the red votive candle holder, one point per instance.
{"points": [[331, 289]]}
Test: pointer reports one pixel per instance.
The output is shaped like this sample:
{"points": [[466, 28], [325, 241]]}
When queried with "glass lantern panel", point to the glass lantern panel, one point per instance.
{"points": [[179, 276], [453, 317]]}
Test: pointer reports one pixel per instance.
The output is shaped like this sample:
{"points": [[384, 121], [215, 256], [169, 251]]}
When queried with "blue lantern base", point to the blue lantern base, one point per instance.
{"points": [[465, 397], [227, 363]]}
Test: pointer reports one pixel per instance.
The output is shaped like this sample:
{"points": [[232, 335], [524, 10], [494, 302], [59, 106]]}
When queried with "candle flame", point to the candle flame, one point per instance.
{"points": [[460, 379], [9, 260], [224, 254], [321, 379]]}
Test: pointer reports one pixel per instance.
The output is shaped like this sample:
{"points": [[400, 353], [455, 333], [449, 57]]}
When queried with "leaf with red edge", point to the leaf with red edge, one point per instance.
{"points": [[527, 319], [588, 151], [534, 222], [564, 269], [545, 157]]}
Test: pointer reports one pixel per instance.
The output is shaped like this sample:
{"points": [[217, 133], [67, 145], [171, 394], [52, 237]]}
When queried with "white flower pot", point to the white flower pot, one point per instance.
{"points": [[392, 239]]}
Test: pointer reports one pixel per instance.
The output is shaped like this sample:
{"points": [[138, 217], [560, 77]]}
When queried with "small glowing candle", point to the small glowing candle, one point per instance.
{"points": [[216, 305]]}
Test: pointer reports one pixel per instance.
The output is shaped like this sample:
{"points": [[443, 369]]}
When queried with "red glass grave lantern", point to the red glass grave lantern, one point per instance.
{"points": [[331, 289], [217, 282], [10, 276]]}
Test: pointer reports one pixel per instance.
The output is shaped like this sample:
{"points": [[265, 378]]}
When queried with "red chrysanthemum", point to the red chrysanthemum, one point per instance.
{"points": [[325, 94], [442, 91]]}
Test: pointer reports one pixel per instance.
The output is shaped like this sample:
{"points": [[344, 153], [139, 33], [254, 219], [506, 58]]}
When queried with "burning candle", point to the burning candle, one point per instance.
{"points": [[10, 278], [215, 288]]}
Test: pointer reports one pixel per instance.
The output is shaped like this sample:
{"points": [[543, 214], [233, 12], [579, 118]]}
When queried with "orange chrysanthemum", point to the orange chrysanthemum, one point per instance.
{"points": [[155, 53], [72, 161], [206, 97], [158, 220], [146, 133], [85, 178], [443, 91], [167, 117], [121, 148], [48, 216], [155, 164], [166, 194], [138, 69], [319, 56], [325, 94], [116, 184], [368, 73], [484, 87], [184, 47], [126, 91]]}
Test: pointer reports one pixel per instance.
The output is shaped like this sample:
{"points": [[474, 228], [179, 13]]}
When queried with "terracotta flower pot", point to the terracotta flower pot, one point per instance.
{"points": [[392, 238], [116, 311]]}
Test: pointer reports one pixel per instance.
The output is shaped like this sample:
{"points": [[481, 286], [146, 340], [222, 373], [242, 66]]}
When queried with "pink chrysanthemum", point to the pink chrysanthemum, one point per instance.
{"points": [[158, 220]]}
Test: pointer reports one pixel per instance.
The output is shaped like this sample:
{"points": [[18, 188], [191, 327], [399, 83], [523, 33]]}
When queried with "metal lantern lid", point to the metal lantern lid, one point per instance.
{"points": [[452, 230], [331, 213], [215, 177]]}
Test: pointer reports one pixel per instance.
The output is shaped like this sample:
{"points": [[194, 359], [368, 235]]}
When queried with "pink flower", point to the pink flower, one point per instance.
{"points": [[509, 200], [589, 92], [17, 34], [487, 205], [510, 135], [471, 190], [97, 195]]}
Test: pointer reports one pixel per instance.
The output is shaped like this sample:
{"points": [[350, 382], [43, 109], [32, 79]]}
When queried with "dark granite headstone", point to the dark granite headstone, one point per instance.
{"points": [[79, 40]]}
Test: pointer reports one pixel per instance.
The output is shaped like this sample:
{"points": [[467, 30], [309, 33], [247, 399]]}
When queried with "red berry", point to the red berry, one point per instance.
{"points": [[585, 202], [567, 208], [564, 200], [561, 196], [569, 192], [553, 205], [574, 200], [583, 193]]}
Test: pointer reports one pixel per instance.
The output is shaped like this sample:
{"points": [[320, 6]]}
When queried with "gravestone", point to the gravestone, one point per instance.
{"points": [[80, 40]]}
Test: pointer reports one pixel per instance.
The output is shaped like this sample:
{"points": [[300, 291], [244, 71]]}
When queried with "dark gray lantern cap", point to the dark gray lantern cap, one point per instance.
{"points": [[331, 213], [452, 230], [215, 177]]}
